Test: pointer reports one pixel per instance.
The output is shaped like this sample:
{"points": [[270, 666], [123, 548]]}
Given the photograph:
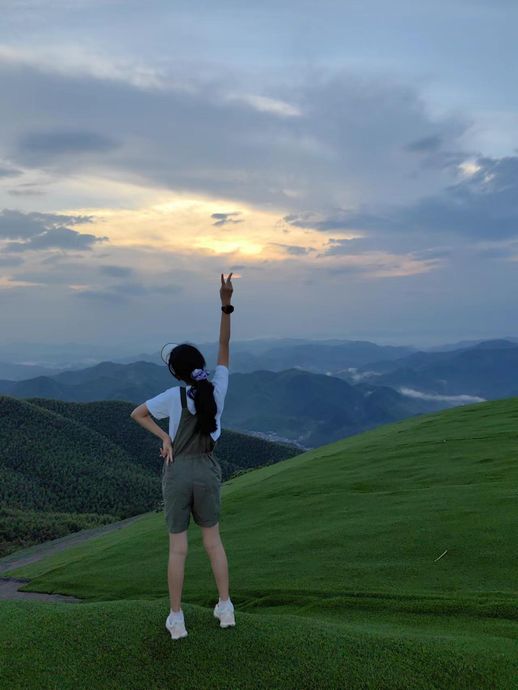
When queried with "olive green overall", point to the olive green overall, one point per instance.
{"points": [[192, 481]]}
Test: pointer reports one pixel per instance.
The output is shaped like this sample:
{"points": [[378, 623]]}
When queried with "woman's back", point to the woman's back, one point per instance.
{"points": [[168, 403]]}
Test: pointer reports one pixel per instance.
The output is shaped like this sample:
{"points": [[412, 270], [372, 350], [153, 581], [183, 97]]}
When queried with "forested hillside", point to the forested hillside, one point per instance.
{"points": [[111, 418], [67, 466]]}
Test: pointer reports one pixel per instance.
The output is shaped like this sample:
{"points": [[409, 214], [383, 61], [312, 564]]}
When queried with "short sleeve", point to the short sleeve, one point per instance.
{"points": [[160, 405], [220, 381]]}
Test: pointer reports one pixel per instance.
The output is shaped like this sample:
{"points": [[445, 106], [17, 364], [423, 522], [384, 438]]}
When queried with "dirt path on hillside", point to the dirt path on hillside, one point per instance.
{"points": [[9, 587]]}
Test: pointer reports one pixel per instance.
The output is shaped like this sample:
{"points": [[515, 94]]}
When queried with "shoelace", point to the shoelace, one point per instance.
{"points": [[175, 621], [225, 608]]}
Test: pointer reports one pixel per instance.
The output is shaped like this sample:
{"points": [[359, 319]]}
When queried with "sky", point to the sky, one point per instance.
{"points": [[353, 163]]}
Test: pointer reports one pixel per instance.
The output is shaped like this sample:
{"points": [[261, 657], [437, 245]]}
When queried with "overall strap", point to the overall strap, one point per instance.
{"points": [[188, 440]]}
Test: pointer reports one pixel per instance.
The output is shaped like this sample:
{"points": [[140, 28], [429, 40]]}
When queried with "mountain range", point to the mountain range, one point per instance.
{"points": [[487, 370], [299, 404], [293, 405]]}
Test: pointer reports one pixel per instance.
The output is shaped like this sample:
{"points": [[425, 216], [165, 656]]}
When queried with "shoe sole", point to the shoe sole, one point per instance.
{"points": [[231, 624], [179, 637]]}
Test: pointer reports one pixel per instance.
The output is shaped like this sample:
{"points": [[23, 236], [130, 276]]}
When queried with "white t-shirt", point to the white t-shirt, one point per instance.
{"points": [[169, 404]]}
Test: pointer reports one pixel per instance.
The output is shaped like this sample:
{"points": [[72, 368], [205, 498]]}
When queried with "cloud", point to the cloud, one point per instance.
{"points": [[44, 145], [293, 249], [340, 219], [116, 271], [15, 224], [125, 291], [226, 218], [8, 171], [431, 143], [336, 247], [383, 264], [453, 399], [500, 249], [274, 106], [56, 238], [26, 189], [432, 253], [483, 204], [79, 273], [11, 261], [344, 141], [358, 376], [430, 154], [81, 61], [39, 231]]}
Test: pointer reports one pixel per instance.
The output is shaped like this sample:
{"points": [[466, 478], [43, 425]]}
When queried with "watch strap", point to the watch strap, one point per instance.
{"points": [[227, 308]]}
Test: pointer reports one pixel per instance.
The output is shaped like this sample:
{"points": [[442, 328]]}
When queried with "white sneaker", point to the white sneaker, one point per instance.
{"points": [[225, 613], [176, 627]]}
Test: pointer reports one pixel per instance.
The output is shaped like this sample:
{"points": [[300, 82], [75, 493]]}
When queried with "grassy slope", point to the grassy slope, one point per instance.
{"points": [[124, 645], [348, 535]]}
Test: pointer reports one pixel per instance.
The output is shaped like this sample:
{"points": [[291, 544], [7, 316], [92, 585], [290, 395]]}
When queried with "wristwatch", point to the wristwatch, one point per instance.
{"points": [[227, 308]]}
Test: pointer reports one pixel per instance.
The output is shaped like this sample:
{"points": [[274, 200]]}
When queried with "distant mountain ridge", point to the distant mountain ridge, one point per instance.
{"points": [[318, 356], [105, 381], [313, 409], [18, 372], [294, 404], [488, 370]]}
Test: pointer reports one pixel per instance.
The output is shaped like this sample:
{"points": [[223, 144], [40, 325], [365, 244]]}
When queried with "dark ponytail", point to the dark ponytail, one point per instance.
{"points": [[205, 406], [183, 359]]}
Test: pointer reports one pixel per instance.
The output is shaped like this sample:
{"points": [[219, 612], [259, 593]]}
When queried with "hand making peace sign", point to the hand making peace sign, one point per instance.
{"points": [[226, 289]]}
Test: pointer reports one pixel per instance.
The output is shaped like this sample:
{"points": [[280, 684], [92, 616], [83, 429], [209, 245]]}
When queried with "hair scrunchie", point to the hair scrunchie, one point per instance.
{"points": [[197, 375]]}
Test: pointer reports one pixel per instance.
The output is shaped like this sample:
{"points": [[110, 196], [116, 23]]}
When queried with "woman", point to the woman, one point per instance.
{"points": [[191, 474]]}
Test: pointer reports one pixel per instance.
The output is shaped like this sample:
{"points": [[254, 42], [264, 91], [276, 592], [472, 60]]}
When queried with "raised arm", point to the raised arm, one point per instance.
{"points": [[225, 293]]}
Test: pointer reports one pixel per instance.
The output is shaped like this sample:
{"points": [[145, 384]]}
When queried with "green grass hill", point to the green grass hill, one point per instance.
{"points": [[383, 561]]}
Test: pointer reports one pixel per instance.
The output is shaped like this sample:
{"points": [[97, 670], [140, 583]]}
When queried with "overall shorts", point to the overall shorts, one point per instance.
{"points": [[192, 481]]}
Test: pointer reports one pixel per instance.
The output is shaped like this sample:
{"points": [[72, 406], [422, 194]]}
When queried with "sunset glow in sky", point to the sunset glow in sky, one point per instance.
{"points": [[356, 169]]}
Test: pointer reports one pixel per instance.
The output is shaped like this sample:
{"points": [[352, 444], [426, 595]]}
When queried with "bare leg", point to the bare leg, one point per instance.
{"points": [[176, 567], [218, 558]]}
